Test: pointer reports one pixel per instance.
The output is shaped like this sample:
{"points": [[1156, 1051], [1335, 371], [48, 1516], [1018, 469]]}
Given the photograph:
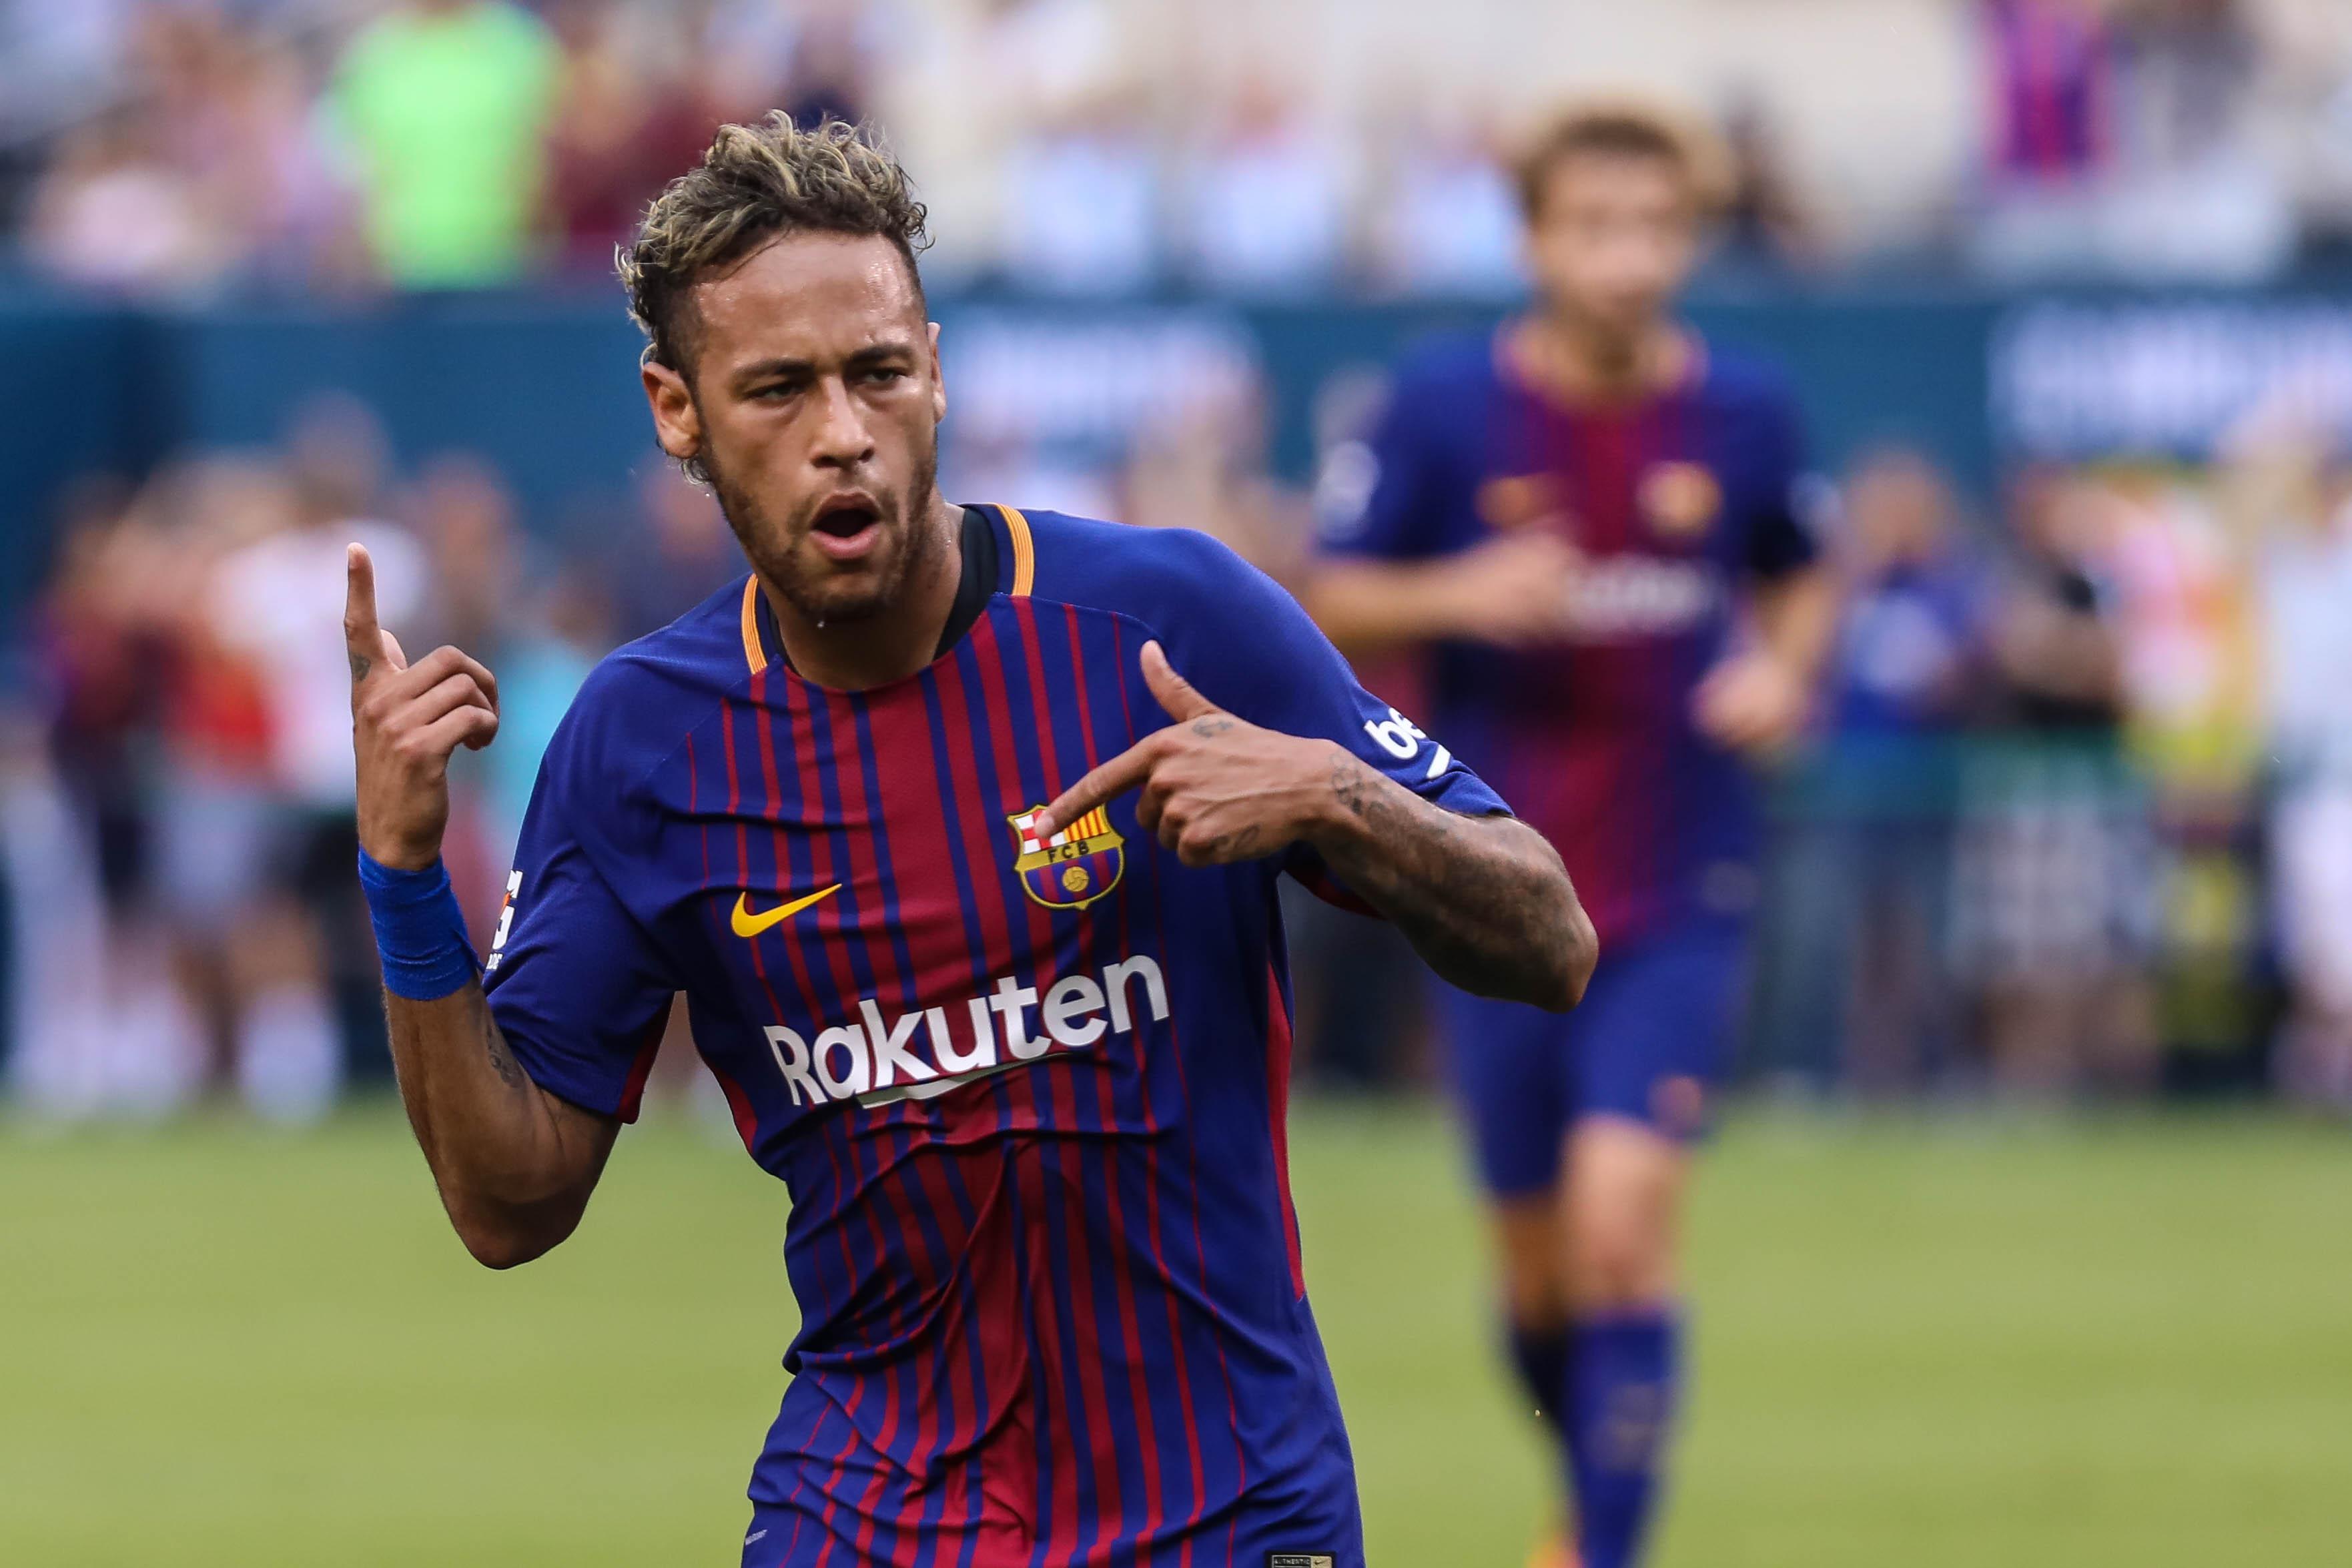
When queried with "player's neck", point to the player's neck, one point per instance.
{"points": [[1578, 360], [894, 643]]}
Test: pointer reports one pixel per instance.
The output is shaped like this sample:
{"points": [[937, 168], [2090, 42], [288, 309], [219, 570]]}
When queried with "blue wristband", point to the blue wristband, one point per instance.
{"points": [[420, 932]]}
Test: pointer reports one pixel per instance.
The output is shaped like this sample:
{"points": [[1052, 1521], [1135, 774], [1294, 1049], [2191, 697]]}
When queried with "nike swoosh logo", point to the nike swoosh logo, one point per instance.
{"points": [[747, 924]]}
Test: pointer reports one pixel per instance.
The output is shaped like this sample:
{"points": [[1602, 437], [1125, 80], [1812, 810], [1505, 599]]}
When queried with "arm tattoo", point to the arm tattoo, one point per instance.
{"points": [[1349, 778], [1484, 900], [503, 1059], [1360, 790]]}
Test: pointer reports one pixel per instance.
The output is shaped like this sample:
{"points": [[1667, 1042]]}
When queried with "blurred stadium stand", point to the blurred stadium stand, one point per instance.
{"points": [[2076, 817]]}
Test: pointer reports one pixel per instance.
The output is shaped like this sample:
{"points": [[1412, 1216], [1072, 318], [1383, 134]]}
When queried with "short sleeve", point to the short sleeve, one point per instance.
{"points": [[576, 983], [1249, 648], [1379, 498], [1785, 536]]}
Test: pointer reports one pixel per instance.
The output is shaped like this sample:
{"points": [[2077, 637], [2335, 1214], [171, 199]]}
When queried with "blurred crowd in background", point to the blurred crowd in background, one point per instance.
{"points": [[183, 147], [2075, 819], [179, 838]]}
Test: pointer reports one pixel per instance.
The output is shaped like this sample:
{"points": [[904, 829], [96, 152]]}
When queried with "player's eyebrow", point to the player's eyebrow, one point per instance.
{"points": [[773, 369], [784, 368], [881, 353]]}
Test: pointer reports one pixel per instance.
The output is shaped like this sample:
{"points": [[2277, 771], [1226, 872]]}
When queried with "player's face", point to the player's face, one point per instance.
{"points": [[1614, 239], [814, 403]]}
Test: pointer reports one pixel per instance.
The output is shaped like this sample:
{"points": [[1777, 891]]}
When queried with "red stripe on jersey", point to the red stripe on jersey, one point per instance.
{"points": [[1200, 1247], [1652, 434], [633, 1093], [996, 702], [1608, 846], [863, 821], [738, 1105], [919, 1167], [1151, 1226], [803, 974], [1317, 878], [818, 705], [1047, 1310], [968, 820], [1155, 1511], [849, 1271], [996, 752], [1085, 1336], [995, 709], [938, 937], [803, 718], [1277, 1106], [743, 879], [1007, 1453]]}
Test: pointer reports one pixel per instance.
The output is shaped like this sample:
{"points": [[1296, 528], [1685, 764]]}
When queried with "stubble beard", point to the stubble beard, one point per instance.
{"points": [[781, 567]]}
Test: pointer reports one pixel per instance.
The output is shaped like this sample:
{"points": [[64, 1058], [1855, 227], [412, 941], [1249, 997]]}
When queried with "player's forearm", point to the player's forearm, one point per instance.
{"points": [[1797, 620], [1367, 606], [514, 1164], [1485, 900]]}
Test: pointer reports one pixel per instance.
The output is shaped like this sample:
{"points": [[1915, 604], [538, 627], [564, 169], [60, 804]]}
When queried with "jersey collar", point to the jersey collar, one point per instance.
{"points": [[999, 554]]}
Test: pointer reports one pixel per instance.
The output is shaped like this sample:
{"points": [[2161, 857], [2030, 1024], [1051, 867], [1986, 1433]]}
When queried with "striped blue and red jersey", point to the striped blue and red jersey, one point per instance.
{"points": [[1677, 501], [1027, 1093]]}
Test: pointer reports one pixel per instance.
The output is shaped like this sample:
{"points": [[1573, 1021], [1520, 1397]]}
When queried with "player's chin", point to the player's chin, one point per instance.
{"points": [[839, 572], [849, 593]]}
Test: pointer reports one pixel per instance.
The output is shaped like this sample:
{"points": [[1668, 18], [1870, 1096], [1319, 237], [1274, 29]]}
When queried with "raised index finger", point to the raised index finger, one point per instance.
{"points": [[1112, 779], [363, 638]]}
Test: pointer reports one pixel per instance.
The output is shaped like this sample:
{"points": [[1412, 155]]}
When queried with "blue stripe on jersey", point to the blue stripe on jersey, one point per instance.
{"points": [[996, 757], [1116, 1319], [1083, 1406], [1015, 1349], [1175, 1422], [1136, 697], [939, 1401], [968, 908], [894, 1216]]}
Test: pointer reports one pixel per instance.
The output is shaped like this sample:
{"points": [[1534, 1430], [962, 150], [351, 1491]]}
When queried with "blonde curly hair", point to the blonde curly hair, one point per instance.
{"points": [[755, 183]]}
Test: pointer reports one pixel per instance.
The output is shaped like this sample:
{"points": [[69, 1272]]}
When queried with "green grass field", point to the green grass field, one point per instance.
{"points": [[1918, 1343]]}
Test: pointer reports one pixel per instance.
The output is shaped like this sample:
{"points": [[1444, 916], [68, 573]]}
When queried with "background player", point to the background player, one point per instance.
{"points": [[1023, 1065], [1594, 514]]}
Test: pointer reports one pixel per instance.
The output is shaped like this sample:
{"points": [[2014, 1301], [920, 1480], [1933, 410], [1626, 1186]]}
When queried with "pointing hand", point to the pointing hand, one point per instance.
{"points": [[1214, 788], [406, 719]]}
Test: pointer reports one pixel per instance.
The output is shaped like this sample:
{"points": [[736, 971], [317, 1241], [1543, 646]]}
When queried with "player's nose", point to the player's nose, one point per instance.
{"points": [[844, 439]]}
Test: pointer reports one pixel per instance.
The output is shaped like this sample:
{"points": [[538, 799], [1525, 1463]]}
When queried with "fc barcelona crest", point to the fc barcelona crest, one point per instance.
{"points": [[1072, 868]]}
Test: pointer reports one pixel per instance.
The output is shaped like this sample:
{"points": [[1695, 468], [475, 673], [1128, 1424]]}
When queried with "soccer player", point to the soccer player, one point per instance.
{"points": [[1595, 516], [959, 830]]}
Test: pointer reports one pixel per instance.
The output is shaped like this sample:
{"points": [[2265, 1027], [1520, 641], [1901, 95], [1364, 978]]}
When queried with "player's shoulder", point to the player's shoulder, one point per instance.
{"points": [[1740, 381], [1232, 630], [1447, 366], [1159, 576], [643, 699]]}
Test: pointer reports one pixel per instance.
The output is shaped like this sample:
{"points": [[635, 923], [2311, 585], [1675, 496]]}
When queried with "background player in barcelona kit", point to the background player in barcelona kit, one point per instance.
{"points": [[982, 948], [1594, 516]]}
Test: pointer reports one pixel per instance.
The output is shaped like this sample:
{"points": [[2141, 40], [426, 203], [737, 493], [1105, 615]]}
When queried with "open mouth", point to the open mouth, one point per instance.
{"points": [[846, 526]]}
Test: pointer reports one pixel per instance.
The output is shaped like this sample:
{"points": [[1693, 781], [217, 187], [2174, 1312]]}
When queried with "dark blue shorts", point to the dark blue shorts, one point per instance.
{"points": [[1649, 1043]]}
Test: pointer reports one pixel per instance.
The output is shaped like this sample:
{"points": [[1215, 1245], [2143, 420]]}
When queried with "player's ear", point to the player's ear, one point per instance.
{"points": [[939, 381], [677, 422]]}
